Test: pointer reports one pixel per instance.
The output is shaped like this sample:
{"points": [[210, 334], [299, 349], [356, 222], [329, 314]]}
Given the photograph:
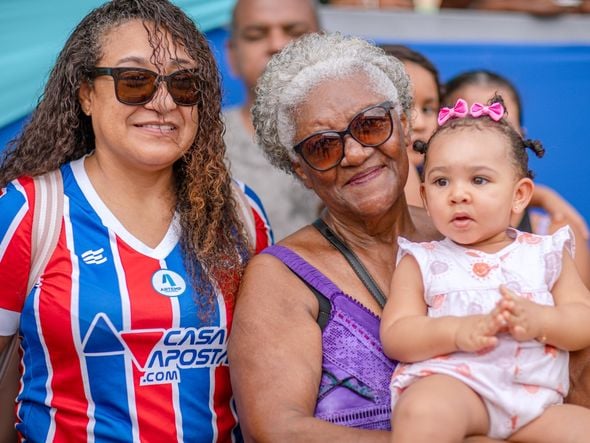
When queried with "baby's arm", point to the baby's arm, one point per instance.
{"points": [[409, 335], [564, 325]]}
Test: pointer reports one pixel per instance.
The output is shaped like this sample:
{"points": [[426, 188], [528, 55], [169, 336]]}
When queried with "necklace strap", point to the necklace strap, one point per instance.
{"points": [[352, 259]]}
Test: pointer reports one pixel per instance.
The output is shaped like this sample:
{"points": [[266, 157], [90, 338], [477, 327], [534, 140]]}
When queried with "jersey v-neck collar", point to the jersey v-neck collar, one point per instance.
{"points": [[161, 251]]}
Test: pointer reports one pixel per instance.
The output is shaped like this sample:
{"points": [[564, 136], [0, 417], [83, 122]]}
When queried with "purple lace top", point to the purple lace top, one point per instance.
{"points": [[354, 390]]}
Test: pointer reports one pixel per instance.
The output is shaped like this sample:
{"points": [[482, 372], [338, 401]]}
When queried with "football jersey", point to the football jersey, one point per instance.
{"points": [[116, 346]]}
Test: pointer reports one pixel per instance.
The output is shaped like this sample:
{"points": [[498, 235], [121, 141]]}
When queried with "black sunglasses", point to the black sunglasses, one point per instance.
{"points": [[137, 86], [371, 127]]}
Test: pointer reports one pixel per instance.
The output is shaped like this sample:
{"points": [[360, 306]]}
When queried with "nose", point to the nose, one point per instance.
{"points": [[418, 119], [458, 193], [354, 153], [162, 101], [418, 125]]}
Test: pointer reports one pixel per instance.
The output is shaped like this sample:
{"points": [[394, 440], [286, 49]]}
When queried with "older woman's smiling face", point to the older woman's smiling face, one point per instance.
{"points": [[368, 181]]}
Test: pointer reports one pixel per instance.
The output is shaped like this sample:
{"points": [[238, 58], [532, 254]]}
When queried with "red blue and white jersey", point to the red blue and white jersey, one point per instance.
{"points": [[113, 348]]}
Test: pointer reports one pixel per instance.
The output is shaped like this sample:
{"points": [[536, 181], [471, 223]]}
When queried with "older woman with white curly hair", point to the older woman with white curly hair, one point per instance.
{"points": [[305, 356]]}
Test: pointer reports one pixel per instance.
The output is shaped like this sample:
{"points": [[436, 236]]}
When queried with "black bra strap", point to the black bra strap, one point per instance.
{"points": [[325, 307], [352, 259]]}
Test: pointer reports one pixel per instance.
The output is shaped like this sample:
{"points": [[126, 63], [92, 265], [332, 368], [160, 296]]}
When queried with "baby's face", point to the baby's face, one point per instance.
{"points": [[469, 185]]}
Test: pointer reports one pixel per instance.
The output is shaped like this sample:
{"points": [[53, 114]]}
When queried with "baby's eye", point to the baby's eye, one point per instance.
{"points": [[480, 180], [440, 182]]}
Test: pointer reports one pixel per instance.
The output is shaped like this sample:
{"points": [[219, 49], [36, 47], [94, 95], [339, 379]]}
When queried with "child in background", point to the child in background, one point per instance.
{"points": [[479, 86], [426, 94], [426, 91], [485, 317]]}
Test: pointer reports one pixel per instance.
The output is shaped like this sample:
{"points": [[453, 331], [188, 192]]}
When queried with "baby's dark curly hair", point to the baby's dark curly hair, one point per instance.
{"points": [[519, 145], [213, 244]]}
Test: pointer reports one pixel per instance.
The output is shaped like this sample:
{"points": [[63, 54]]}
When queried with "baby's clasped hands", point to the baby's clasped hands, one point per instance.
{"points": [[523, 318]]}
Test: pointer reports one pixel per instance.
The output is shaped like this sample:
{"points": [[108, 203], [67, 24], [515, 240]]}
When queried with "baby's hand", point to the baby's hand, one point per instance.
{"points": [[522, 316], [478, 332]]}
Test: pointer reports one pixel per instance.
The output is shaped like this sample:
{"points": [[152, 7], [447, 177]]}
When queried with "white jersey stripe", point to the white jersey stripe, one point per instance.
{"points": [[126, 316], [48, 390], [175, 305], [212, 404]]}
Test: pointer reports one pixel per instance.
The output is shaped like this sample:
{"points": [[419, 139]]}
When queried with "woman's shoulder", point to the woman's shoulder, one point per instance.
{"points": [[304, 241], [16, 198], [20, 184], [300, 243], [269, 284], [269, 267]]}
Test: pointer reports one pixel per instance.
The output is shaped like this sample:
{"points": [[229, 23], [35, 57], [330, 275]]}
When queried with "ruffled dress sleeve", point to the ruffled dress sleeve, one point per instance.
{"points": [[555, 244], [415, 249]]}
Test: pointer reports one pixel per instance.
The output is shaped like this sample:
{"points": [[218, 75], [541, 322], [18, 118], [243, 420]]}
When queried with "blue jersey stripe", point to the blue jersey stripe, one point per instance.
{"points": [[99, 295], [32, 409]]}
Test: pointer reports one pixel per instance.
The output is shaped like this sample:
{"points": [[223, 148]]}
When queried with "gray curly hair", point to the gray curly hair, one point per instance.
{"points": [[303, 64]]}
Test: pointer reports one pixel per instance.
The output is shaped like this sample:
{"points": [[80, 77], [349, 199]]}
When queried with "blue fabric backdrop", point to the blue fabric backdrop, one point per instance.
{"points": [[32, 32]]}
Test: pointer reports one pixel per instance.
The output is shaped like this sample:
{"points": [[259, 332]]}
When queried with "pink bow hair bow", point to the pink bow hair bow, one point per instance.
{"points": [[459, 110], [494, 111]]}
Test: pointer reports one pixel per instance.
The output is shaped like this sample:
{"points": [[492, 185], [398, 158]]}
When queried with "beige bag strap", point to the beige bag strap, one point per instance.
{"points": [[49, 203], [246, 214], [47, 215]]}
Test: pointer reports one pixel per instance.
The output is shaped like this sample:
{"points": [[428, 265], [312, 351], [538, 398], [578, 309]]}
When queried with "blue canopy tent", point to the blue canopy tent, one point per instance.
{"points": [[32, 32]]}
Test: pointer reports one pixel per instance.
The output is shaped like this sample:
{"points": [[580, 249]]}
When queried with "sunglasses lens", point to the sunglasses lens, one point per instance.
{"points": [[322, 151], [183, 87], [325, 150], [373, 127], [135, 87]]}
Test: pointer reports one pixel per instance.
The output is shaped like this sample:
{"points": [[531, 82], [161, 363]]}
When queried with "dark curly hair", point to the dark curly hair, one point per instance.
{"points": [[212, 239], [519, 145]]}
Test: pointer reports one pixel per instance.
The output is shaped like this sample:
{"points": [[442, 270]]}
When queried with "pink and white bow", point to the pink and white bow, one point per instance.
{"points": [[494, 111], [459, 110]]}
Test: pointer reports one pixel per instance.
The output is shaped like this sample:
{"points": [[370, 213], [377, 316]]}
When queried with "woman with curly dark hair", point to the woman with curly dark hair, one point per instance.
{"points": [[123, 332]]}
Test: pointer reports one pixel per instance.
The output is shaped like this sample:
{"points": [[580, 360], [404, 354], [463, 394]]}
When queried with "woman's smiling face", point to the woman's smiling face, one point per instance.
{"points": [[150, 136], [369, 180]]}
